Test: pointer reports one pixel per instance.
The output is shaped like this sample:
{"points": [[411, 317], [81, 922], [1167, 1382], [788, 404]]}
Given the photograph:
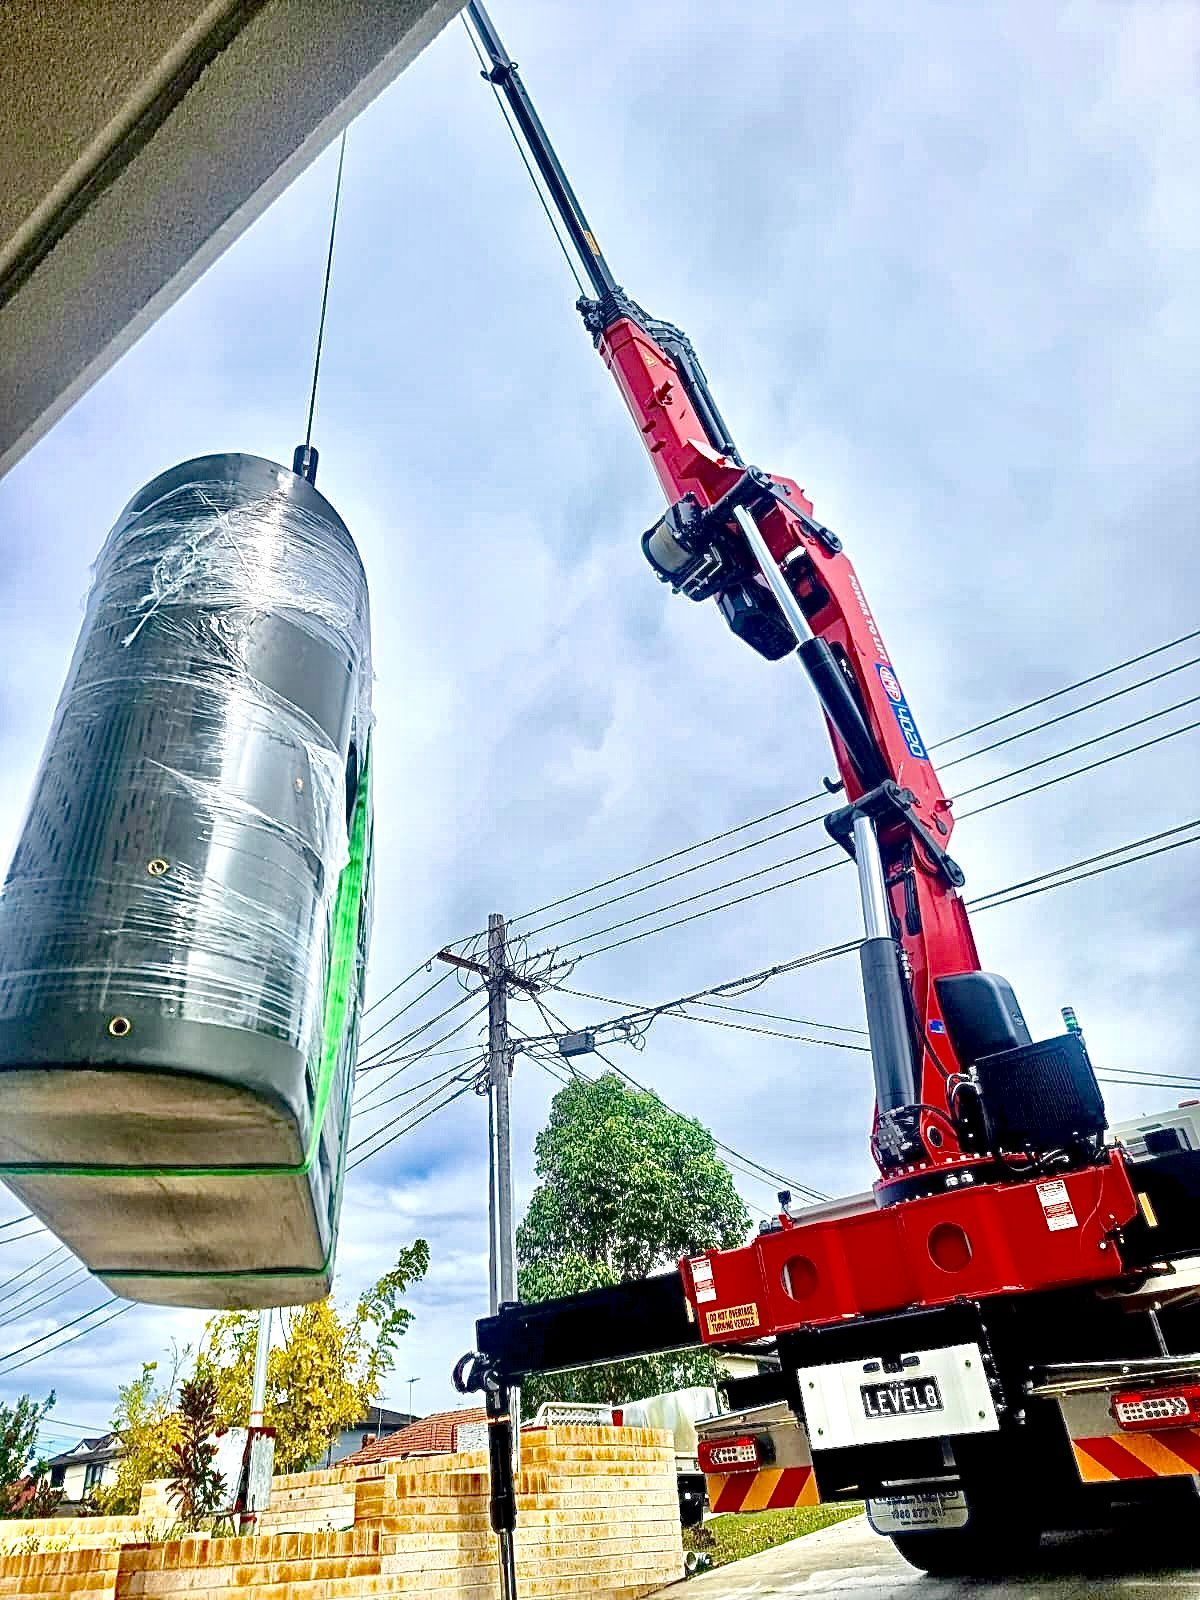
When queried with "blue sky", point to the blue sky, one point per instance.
{"points": [[940, 264]]}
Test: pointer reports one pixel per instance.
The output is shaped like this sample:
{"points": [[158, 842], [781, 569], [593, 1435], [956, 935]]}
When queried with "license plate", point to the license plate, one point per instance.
{"points": [[901, 1397]]}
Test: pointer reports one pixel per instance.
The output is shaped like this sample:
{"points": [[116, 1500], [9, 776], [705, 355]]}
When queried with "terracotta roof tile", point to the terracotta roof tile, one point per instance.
{"points": [[431, 1436]]}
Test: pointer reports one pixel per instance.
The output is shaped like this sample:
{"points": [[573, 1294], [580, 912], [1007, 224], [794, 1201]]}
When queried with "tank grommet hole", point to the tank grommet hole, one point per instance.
{"points": [[120, 1027], [157, 867]]}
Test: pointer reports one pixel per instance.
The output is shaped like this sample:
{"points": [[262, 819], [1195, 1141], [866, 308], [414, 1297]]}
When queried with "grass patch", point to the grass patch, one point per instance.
{"points": [[735, 1535]]}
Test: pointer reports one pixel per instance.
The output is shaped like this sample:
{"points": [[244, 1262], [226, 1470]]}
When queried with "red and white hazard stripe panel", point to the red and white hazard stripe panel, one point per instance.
{"points": [[768, 1489]]}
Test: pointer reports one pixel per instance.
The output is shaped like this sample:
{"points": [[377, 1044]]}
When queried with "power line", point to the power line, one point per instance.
{"points": [[819, 850], [444, 1076], [1074, 749], [774, 1016], [791, 1183], [57, 1250], [43, 1297], [425, 966], [62, 1328], [637, 1012], [413, 1033], [1024, 888], [1080, 683], [979, 727], [788, 883], [29, 1234], [129, 1305], [410, 1061], [467, 1088], [1075, 711], [440, 979], [698, 866], [26, 1216]]}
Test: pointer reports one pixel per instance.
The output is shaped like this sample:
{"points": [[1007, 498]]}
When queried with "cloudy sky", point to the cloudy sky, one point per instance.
{"points": [[940, 262]]}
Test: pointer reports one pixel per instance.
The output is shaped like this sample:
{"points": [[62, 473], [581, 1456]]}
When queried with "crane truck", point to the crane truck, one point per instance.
{"points": [[1001, 1337]]}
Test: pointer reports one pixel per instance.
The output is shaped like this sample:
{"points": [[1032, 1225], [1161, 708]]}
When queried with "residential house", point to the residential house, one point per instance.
{"points": [[86, 1466], [440, 1434], [378, 1423]]}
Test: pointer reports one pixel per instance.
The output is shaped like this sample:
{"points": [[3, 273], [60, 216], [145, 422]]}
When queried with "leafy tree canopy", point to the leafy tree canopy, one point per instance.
{"points": [[325, 1372], [626, 1187], [19, 1460], [147, 1426]]}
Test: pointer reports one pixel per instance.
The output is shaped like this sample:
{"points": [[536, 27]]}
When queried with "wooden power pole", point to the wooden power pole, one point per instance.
{"points": [[498, 977]]}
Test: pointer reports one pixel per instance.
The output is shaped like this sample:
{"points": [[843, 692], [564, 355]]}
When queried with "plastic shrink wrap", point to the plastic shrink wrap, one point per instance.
{"points": [[183, 930]]}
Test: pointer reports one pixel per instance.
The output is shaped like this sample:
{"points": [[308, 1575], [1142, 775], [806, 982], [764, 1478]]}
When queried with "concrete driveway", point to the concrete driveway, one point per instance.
{"points": [[852, 1562]]}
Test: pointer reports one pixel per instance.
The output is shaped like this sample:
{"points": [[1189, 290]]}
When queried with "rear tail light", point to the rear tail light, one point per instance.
{"points": [[1139, 1409], [618, 1417], [744, 1452]]}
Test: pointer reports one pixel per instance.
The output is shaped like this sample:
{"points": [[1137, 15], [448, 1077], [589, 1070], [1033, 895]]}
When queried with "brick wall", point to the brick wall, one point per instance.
{"points": [[598, 1516]]}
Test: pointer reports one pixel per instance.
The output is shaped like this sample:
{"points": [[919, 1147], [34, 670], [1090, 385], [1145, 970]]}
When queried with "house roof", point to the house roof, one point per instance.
{"points": [[430, 1436], [379, 1417], [101, 1448]]}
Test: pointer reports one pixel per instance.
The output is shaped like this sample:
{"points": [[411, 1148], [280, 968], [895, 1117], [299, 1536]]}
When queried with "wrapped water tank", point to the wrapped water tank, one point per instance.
{"points": [[183, 930]]}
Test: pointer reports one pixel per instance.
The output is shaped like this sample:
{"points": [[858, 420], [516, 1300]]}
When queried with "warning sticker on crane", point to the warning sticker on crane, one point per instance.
{"points": [[731, 1319], [702, 1279], [1056, 1203]]}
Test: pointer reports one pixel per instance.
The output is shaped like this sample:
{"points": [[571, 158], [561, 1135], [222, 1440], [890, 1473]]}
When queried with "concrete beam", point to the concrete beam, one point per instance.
{"points": [[137, 144]]}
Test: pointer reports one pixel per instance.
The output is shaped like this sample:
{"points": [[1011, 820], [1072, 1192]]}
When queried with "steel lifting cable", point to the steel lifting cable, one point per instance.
{"points": [[337, 198]]}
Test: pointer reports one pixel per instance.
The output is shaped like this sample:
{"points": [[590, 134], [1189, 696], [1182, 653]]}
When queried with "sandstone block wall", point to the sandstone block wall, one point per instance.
{"points": [[598, 1517]]}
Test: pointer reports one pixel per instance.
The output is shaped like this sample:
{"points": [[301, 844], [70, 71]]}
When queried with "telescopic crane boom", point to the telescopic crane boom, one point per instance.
{"points": [[749, 540]]}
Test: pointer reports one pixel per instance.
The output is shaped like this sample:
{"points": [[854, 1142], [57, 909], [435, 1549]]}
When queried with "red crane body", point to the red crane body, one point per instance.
{"points": [[981, 1240]]}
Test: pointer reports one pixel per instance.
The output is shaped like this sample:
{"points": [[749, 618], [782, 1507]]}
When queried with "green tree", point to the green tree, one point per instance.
{"points": [[147, 1426], [626, 1187], [326, 1371], [19, 1461], [195, 1484]]}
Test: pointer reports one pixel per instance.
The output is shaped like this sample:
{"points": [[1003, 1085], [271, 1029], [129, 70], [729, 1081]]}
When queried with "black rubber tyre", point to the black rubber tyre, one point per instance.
{"points": [[989, 1546]]}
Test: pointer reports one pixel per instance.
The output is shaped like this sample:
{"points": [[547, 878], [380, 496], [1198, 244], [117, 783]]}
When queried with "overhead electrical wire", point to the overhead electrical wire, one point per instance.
{"points": [[26, 1216], [788, 883], [467, 1088], [451, 1076], [791, 1183], [55, 1250], [1042, 884], [407, 1062], [415, 1033], [822, 794], [28, 1234], [62, 1328], [681, 1016], [1057, 694], [830, 847], [1085, 744], [122, 1310], [1064, 716], [444, 1076], [403, 1011], [46, 1295], [425, 966]]}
